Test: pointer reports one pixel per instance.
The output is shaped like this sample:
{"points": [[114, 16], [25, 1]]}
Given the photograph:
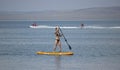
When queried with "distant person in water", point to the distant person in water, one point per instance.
{"points": [[82, 25], [57, 39]]}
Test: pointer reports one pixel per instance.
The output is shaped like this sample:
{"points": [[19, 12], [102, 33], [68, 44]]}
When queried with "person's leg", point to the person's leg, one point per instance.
{"points": [[56, 43], [60, 46]]}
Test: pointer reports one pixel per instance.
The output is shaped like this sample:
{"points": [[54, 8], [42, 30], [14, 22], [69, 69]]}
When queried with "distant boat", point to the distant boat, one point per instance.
{"points": [[34, 25]]}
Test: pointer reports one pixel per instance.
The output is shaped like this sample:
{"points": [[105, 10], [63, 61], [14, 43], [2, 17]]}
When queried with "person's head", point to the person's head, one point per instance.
{"points": [[57, 28]]}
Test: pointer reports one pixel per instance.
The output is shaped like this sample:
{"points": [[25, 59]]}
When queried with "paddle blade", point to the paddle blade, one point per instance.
{"points": [[70, 47]]}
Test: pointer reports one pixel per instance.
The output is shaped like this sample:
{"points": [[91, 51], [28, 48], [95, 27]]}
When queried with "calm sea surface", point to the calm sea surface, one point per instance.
{"points": [[96, 46]]}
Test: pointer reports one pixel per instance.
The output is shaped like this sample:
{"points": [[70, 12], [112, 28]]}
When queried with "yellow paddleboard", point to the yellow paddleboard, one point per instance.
{"points": [[54, 53]]}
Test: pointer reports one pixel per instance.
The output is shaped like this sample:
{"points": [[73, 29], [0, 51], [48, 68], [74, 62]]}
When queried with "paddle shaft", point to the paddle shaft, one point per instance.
{"points": [[65, 39]]}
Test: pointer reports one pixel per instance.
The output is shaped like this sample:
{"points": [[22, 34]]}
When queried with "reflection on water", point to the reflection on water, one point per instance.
{"points": [[58, 62]]}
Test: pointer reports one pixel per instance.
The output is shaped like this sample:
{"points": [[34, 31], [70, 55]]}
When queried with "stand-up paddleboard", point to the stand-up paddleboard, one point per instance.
{"points": [[54, 53]]}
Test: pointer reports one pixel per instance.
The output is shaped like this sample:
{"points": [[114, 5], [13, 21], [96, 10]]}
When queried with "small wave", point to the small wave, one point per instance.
{"points": [[94, 27], [41, 26], [44, 26], [75, 27], [100, 27], [114, 27]]}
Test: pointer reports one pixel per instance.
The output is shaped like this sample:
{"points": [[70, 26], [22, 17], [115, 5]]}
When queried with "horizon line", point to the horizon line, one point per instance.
{"points": [[55, 10]]}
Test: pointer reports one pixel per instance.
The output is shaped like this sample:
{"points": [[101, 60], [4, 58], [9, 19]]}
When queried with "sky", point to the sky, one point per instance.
{"points": [[43, 5]]}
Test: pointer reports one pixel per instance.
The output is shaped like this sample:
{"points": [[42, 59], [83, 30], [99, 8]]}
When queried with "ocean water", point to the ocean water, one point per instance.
{"points": [[96, 46]]}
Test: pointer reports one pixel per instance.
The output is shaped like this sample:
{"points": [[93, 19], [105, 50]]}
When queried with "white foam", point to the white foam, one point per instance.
{"points": [[95, 27], [44, 26], [75, 27], [100, 27]]}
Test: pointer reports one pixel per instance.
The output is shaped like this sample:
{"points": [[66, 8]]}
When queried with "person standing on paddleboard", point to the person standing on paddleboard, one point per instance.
{"points": [[57, 38]]}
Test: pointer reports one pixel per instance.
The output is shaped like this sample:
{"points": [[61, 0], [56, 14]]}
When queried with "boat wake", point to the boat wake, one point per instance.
{"points": [[76, 27], [100, 27], [44, 26]]}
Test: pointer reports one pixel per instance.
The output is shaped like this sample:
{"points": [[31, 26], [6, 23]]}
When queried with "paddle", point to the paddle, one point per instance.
{"points": [[65, 39]]}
